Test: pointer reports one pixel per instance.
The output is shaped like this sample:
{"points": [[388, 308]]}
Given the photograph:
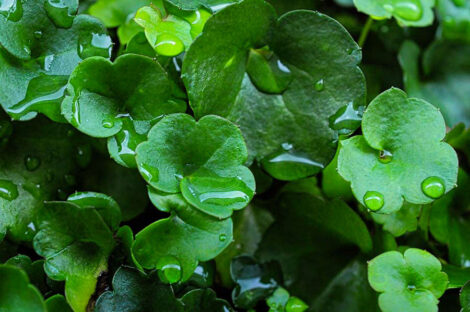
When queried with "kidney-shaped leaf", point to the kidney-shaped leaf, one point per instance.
{"points": [[75, 242], [202, 160], [41, 42], [400, 155], [175, 245], [411, 282], [289, 99]]}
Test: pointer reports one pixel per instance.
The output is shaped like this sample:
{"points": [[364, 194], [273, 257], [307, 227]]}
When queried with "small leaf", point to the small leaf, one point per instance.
{"points": [[17, 293], [417, 13], [57, 303], [402, 153], [202, 160], [412, 281]]}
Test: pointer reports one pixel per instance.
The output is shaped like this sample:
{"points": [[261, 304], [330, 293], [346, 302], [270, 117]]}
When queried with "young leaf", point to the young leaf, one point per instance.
{"points": [[202, 160], [444, 84], [417, 13], [41, 44], [133, 291], [228, 73], [119, 13], [102, 94], [175, 245], [412, 281], [402, 153], [17, 293], [75, 242]]}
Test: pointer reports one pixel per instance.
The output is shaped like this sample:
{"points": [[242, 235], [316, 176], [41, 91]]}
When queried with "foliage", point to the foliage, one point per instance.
{"points": [[234, 155]]}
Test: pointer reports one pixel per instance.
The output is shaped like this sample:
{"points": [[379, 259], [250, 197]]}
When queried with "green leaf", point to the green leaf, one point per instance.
{"points": [[102, 94], [465, 298], [202, 160], [214, 5], [412, 281], [204, 300], [402, 153], [18, 295], [35, 165], [75, 242], [133, 291], [401, 221], [176, 244], [417, 13], [119, 13], [444, 84], [293, 133], [458, 276], [57, 303], [34, 270], [454, 16], [41, 43], [449, 224]]}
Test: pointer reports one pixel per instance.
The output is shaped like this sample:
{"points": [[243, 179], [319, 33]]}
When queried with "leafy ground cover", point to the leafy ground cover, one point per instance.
{"points": [[234, 155]]}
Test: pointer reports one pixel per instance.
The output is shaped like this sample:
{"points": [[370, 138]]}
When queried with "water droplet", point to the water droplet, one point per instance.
{"points": [[287, 146], [61, 12], [148, 172], [267, 72], [229, 62], [8, 190], [94, 44], [373, 200], [197, 19], [222, 237], [283, 163], [32, 163], [170, 269], [168, 45], [70, 179], [107, 123], [47, 62], [34, 189], [320, 85], [347, 118], [433, 187], [385, 156], [283, 67], [70, 133], [410, 10], [11, 9], [411, 287], [38, 34]]}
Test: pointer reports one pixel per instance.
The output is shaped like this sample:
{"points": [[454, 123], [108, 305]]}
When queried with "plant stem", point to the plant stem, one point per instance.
{"points": [[365, 32]]}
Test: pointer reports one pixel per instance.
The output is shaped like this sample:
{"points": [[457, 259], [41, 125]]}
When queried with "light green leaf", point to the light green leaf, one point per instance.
{"points": [[401, 221], [202, 160], [454, 16], [40, 46], [402, 153], [412, 281], [57, 303], [75, 243], [417, 13], [227, 72]]}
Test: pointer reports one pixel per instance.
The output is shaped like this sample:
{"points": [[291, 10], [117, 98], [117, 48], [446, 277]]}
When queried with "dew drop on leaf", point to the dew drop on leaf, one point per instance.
{"points": [[11, 9], [61, 12], [150, 173], [320, 85], [385, 156], [222, 237], [170, 269], [34, 189], [168, 45], [433, 187], [107, 123], [94, 45], [373, 200], [347, 118], [32, 163], [38, 34], [8, 190], [410, 10]]}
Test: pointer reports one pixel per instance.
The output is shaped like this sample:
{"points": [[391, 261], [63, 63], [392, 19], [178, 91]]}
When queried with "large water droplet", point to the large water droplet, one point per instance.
{"points": [[11, 9], [170, 269], [347, 118], [410, 10], [385, 156], [197, 19], [148, 172], [267, 72], [42, 90], [107, 123], [94, 44], [168, 45], [373, 200], [126, 141], [222, 237], [8, 190], [433, 187], [31, 162], [61, 12], [320, 85]]}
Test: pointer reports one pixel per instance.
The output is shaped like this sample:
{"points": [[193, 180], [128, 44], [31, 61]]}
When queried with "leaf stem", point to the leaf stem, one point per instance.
{"points": [[365, 32]]}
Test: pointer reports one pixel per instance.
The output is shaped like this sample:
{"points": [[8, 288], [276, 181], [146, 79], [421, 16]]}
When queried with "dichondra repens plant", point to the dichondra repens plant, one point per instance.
{"points": [[234, 155]]}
